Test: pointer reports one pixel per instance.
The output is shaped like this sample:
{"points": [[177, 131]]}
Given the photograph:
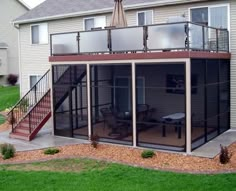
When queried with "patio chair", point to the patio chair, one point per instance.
{"points": [[105, 112], [111, 121], [117, 128]]}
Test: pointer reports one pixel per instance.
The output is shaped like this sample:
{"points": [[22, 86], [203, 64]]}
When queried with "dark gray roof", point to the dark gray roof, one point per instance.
{"points": [[3, 45], [53, 8]]}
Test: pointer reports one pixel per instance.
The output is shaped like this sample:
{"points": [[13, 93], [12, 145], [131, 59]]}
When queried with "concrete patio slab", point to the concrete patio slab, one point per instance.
{"points": [[212, 148], [43, 140]]}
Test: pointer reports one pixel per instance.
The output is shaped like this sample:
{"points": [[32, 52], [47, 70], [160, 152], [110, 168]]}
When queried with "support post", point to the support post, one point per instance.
{"points": [[188, 106], [134, 104], [89, 101], [52, 97]]}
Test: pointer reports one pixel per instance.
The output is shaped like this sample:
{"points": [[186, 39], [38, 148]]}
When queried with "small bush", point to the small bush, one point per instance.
{"points": [[147, 154], [224, 155], [94, 141], [51, 151], [12, 79], [7, 151], [24, 105]]}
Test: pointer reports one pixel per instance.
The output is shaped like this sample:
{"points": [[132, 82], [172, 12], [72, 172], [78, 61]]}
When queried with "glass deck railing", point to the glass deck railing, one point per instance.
{"points": [[159, 37]]}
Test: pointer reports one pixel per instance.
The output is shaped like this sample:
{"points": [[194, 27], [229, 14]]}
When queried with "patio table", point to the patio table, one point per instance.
{"points": [[174, 118]]}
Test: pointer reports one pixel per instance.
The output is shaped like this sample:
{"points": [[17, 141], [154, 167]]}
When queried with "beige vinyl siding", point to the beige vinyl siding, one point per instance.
{"points": [[233, 62], [3, 62], [9, 10], [35, 58]]}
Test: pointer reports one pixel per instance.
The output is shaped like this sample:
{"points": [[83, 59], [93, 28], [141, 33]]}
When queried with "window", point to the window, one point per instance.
{"points": [[145, 18], [34, 79], [94, 22], [200, 15], [215, 16], [39, 34], [89, 24]]}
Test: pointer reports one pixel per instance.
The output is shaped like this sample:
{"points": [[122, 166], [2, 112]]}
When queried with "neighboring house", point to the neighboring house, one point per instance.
{"points": [[168, 86], [9, 55]]}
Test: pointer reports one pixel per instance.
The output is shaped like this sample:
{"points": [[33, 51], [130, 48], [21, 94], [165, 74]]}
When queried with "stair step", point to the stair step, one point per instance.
{"points": [[18, 135], [21, 129]]}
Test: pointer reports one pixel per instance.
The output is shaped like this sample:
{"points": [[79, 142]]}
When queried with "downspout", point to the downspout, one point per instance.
{"points": [[17, 26]]}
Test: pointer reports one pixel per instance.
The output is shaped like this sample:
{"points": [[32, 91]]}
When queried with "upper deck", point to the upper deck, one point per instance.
{"points": [[167, 40]]}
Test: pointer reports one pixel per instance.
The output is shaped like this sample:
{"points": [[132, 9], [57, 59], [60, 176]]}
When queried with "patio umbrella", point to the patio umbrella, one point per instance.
{"points": [[118, 15]]}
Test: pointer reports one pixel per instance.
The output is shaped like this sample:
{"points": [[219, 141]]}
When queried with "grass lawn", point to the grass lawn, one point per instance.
{"points": [[87, 175], [2, 119], [8, 96]]}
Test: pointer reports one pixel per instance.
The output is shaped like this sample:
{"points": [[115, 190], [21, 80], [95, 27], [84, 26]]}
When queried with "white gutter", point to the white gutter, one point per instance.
{"points": [[106, 10]]}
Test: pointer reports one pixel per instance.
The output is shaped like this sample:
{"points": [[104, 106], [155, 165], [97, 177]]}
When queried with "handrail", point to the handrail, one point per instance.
{"points": [[17, 103], [159, 24], [27, 103], [206, 39]]}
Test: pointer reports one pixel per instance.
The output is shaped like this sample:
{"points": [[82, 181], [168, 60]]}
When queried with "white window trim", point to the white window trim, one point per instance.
{"points": [[210, 6], [145, 16], [85, 18], [37, 24], [30, 75]]}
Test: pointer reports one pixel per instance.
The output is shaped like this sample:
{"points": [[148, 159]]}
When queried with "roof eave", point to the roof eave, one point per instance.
{"points": [[100, 11]]}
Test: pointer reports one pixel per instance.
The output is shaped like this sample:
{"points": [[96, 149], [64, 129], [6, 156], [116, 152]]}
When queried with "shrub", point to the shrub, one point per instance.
{"points": [[51, 151], [147, 154], [12, 79], [7, 151], [24, 105], [94, 141], [224, 155]]}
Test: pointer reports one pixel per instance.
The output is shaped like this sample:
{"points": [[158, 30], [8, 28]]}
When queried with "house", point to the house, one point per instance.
{"points": [[9, 55], [166, 81]]}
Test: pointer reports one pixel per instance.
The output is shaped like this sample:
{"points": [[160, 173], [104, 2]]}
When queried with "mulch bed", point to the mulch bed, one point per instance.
{"points": [[132, 156]]}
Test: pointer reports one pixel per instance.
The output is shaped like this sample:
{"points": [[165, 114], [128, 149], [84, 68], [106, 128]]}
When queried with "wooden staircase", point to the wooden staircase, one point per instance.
{"points": [[30, 125], [31, 113]]}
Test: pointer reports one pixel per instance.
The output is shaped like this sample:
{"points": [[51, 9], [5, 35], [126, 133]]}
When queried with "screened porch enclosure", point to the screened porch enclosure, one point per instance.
{"points": [[112, 99], [157, 93], [211, 100], [70, 100]]}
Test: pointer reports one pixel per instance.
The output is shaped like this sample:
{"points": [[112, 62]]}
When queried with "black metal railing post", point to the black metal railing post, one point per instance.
{"points": [[217, 40], [35, 95], [227, 32], [187, 43], [78, 42], [51, 53], [203, 38], [109, 41], [145, 38], [12, 120], [30, 123]]}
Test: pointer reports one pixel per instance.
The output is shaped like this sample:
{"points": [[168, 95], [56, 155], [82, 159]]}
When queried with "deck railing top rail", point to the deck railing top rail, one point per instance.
{"points": [[157, 37]]}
